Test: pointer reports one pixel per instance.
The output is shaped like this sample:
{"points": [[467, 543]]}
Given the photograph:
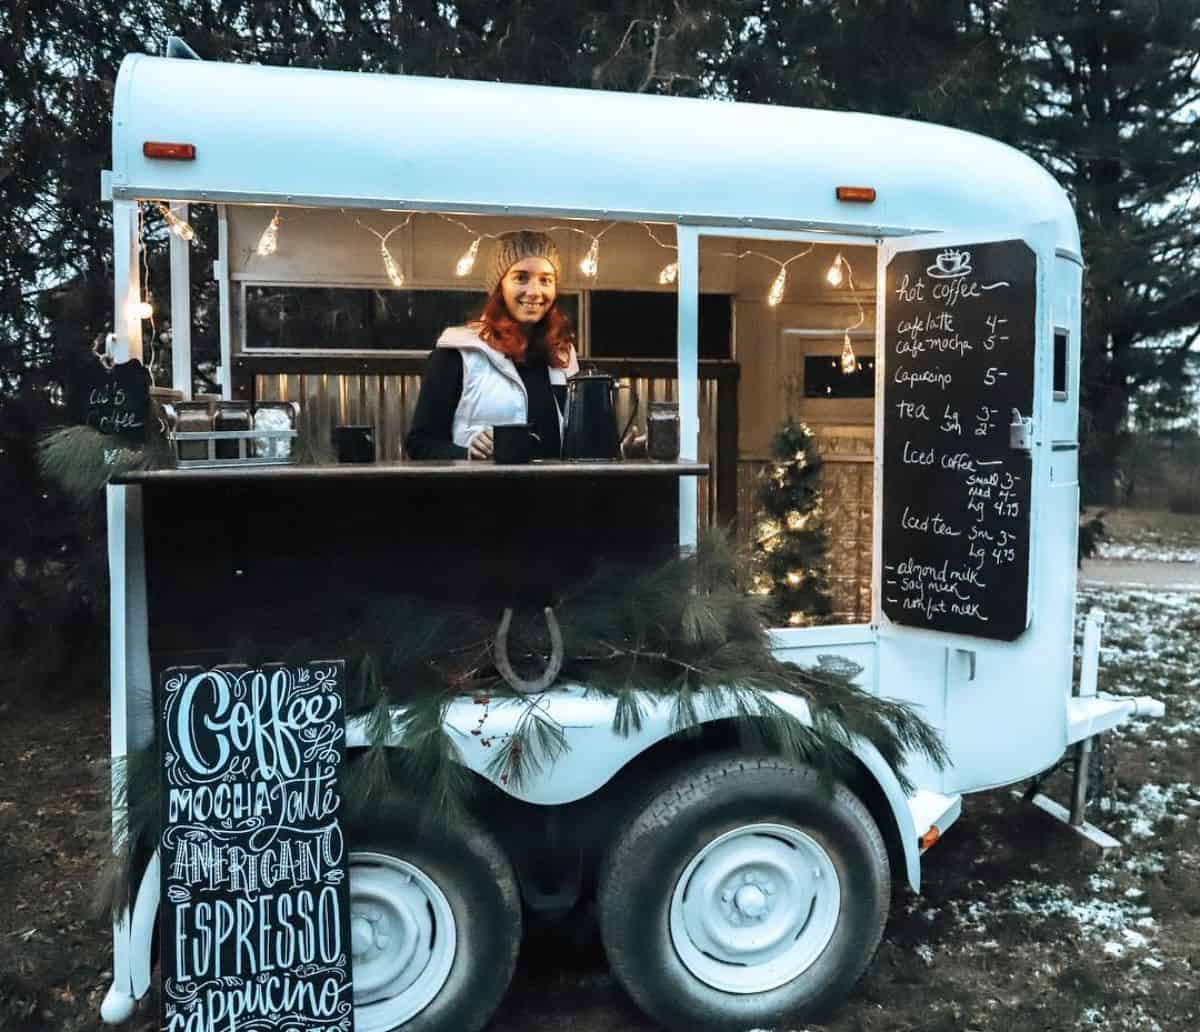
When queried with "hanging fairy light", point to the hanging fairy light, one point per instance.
{"points": [[180, 227], [590, 265], [669, 273], [775, 295], [268, 243], [137, 310], [394, 275], [834, 275], [849, 358], [467, 262]]}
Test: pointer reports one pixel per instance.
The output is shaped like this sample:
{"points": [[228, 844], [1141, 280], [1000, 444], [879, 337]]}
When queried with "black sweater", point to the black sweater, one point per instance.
{"points": [[429, 436]]}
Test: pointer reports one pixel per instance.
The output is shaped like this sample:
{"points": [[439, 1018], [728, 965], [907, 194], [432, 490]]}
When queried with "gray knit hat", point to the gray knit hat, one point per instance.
{"points": [[513, 247]]}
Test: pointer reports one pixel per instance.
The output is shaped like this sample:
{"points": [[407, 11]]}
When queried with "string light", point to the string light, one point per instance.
{"points": [[180, 227], [268, 243], [779, 284], [590, 265], [669, 273], [467, 262], [391, 267], [775, 295], [834, 275], [137, 310], [849, 358]]}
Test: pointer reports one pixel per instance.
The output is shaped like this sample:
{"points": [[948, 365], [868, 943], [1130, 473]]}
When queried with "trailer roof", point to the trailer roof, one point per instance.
{"points": [[305, 136]]}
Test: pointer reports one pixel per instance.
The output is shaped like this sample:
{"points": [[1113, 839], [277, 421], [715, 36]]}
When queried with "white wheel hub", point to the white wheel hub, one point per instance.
{"points": [[402, 939], [755, 908]]}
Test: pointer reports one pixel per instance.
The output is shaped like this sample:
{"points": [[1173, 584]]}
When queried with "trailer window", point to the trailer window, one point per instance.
{"points": [[289, 318], [824, 378], [644, 324], [1062, 341]]}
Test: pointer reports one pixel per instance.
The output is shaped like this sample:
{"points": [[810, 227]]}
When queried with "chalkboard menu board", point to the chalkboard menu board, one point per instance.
{"points": [[254, 922], [118, 398], [959, 362]]}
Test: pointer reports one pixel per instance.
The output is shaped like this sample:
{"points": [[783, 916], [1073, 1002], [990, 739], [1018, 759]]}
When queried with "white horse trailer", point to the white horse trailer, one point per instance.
{"points": [[716, 182]]}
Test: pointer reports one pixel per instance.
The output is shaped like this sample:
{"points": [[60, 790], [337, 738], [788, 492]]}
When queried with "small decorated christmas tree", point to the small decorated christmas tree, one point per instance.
{"points": [[789, 535]]}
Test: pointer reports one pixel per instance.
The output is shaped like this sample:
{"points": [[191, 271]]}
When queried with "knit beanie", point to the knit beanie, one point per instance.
{"points": [[513, 247]]}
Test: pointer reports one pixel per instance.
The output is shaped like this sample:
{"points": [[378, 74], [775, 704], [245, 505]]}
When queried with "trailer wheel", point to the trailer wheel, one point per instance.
{"points": [[743, 894], [435, 923]]}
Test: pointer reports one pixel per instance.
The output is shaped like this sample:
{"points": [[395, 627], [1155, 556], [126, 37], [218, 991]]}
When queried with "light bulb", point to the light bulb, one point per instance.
{"points": [[669, 274], [794, 578], [138, 310], [467, 262], [268, 243], [591, 261], [834, 275], [180, 227], [849, 359], [390, 267], [777, 288]]}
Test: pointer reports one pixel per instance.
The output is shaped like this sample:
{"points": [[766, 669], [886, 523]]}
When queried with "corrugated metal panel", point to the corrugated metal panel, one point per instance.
{"points": [[387, 403]]}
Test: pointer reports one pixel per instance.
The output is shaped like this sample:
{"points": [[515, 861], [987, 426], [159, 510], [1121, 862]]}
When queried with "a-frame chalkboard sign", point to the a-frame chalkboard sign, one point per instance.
{"points": [[254, 915], [958, 369]]}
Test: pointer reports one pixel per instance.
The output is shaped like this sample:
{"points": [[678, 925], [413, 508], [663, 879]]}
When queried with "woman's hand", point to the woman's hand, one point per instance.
{"points": [[480, 445]]}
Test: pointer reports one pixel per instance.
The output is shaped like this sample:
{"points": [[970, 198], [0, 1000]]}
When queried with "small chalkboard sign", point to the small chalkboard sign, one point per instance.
{"points": [[118, 399], [959, 347], [255, 916]]}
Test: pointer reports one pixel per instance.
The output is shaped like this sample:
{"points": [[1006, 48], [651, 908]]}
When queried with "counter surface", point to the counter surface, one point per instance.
{"points": [[459, 469]]}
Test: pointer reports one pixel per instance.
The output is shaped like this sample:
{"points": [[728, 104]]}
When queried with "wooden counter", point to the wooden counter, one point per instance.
{"points": [[276, 554], [458, 469]]}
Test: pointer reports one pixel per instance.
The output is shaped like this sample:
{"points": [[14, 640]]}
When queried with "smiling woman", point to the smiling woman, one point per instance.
{"points": [[510, 366]]}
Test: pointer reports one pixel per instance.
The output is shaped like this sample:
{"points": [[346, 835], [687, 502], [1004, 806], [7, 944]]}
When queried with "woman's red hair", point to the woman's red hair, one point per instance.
{"points": [[552, 336]]}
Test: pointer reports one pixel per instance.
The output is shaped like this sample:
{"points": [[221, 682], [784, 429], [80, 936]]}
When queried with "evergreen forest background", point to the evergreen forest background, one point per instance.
{"points": [[1103, 94]]}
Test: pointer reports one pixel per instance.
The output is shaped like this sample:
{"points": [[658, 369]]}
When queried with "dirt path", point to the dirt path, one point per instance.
{"points": [[1163, 576]]}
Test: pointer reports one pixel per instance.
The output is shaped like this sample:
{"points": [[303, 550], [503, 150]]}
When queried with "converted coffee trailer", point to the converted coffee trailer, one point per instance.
{"points": [[748, 262]]}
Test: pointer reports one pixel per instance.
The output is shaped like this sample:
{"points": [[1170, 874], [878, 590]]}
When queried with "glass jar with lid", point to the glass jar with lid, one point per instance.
{"points": [[662, 431], [232, 415], [275, 415], [193, 417]]}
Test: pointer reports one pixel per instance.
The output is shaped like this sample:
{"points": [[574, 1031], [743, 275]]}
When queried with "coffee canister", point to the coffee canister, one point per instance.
{"points": [[193, 417], [275, 415], [231, 415], [662, 431]]}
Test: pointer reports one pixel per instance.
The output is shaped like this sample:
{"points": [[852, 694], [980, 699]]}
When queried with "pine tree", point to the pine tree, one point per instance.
{"points": [[789, 539]]}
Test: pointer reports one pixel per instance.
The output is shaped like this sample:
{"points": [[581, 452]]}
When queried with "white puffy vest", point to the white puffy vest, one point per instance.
{"points": [[492, 391]]}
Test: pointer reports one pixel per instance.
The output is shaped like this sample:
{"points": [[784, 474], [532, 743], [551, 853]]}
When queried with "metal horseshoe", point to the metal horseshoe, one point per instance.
{"points": [[553, 667]]}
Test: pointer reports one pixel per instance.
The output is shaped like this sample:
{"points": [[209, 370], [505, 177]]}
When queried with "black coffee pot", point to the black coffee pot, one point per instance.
{"points": [[591, 424]]}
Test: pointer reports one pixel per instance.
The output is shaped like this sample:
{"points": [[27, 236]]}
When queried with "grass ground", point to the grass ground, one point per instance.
{"points": [[1020, 926]]}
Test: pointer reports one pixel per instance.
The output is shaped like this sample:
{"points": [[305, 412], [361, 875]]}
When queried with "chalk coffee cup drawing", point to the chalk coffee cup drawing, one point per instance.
{"points": [[514, 443], [950, 264], [354, 443]]}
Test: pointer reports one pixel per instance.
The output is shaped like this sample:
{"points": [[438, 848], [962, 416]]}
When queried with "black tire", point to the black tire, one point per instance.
{"points": [[476, 878], [691, 810]]}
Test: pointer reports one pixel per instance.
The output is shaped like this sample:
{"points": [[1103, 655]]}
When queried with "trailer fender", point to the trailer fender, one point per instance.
{"points": [[480, 726]]}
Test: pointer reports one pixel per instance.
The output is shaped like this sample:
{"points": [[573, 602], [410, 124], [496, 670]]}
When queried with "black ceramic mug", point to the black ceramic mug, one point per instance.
{"points": [[354, 443], [514, 443]]}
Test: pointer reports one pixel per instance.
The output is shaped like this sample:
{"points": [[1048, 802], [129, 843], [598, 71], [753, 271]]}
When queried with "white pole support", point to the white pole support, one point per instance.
{"points": [[1090, 665], [224, 302], [127, 288], [181, 308], [688, 240]]}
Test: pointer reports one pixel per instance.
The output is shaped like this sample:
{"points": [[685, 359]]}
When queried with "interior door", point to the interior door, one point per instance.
{"points": [[957, 434]]}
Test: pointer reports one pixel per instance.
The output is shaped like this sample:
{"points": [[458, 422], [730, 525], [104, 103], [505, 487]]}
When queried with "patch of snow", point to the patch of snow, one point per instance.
{"points": [[1149, 552]]}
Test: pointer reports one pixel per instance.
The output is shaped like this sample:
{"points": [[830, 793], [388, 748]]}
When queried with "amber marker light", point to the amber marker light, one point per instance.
{"points": [[858, 194], [930, 837], [169, 151]]}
